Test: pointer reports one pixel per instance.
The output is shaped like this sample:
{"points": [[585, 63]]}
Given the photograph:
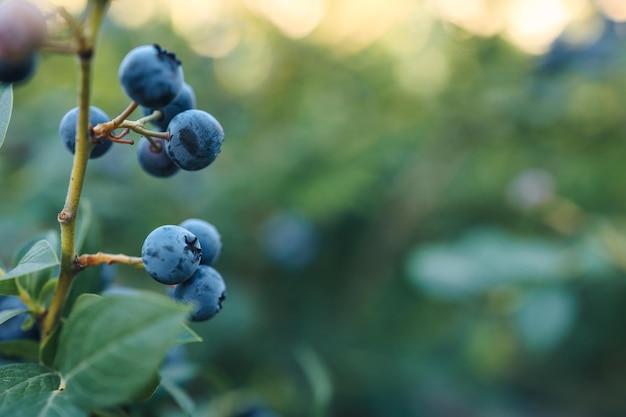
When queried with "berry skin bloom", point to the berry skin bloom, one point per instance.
{"points": [[151, 76], [155, 162], [195, 139], [185, 100], [171, 254], [67, 130], [205, 290], [209, 237]]}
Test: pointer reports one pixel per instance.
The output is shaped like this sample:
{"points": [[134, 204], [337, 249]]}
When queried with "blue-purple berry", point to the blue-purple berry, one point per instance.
{"points": [[155, 161], [209, 237], [67, 131], [185, 100], [195, 139], [205, 290], [151, 76], [171, 254]]}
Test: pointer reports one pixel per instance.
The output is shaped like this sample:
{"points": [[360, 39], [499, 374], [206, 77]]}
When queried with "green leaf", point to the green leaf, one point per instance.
{"points": [[111, 346], [318, 378], [33, 284], [9, 314], [20, 382], [48, 348], [23, 349], [47, 404], [46, 290], [6, 107], [40, 257], [183, 400], [188, 336]]}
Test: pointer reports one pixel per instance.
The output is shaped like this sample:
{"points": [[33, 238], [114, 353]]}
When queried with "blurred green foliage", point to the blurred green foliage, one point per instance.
{"points": [[386, 252]]}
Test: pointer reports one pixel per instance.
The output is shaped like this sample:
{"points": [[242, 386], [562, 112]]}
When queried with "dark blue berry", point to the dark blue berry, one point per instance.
{"points": [[12, 328], [195, 139], [22, 28], [155, 162], [171, 254], [205, 290], [19, 70], [151, 76], [67, 130], [185, 100], [209, 237]]}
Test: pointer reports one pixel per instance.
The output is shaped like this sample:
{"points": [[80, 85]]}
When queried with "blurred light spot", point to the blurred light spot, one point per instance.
{"points": [[615, 9], [533, 25], [72, 6], [530, 189], [482, 17], [295, 18], [247, 67], [409, 36], [355, 24], [208, 26], [289, 239], [425, 73], [132, 14]]}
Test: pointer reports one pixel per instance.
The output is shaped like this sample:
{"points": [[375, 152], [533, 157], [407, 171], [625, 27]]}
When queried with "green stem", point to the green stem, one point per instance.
{"points": [[84, 145]]}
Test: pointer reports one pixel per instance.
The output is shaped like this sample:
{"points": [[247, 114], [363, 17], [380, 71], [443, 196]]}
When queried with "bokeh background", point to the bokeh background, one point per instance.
{"points": [[421, 201]]}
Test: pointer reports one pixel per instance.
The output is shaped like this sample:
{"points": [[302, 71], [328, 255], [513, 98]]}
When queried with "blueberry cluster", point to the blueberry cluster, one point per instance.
{"points": [[153, 78], [181, 256], [22, 32], [187, 138]]}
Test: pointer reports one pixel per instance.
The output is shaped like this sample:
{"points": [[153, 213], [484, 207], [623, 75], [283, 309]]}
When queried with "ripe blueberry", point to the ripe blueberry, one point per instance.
{"points": [[185, 100], [67, 130], [205, 290], [12, 328], [155, 162], [171, 254], [151, 76], [15, 71], [209, 237], [195, 139], [22, 28]]}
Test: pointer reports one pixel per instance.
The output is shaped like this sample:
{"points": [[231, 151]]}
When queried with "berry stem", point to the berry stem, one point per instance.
{"points": [[137, 126], [100, 258], [84, 145], [105, 130]]}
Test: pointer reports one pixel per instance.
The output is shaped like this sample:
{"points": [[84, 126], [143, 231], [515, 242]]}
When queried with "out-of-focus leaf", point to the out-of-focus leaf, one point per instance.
{"points": [[6, 107], [40, 256]]}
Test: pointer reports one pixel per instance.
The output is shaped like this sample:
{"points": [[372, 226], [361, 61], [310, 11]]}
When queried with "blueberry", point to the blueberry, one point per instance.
{"points": [[12, 328], [22, 28], [185, 100], [209, 237], [151, 76], [15, 71], [155, 162], [195, 139], [171, 254], [205, 290], [67, 130]]}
